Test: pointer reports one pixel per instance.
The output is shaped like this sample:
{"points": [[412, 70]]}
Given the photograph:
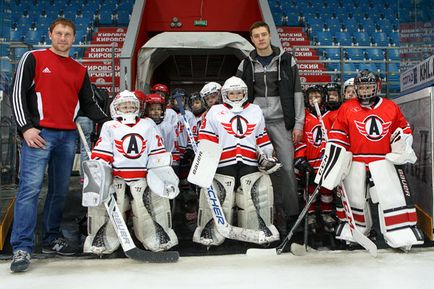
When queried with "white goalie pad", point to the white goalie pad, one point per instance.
{"points": [[152, 219], [102, 238], [255, 201], [401, 146], [206, 232], [163, 181], [96, 184], [355, 185], [205, 163], [334, 167], [395, 209]]}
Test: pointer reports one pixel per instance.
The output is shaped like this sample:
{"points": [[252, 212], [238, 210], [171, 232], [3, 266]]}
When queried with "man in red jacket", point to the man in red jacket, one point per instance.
{"points": [[49, 89]]}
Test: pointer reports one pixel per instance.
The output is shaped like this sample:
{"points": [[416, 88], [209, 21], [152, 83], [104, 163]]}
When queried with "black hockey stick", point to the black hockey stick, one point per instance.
{"points": [[121, 229], [223, 227]]}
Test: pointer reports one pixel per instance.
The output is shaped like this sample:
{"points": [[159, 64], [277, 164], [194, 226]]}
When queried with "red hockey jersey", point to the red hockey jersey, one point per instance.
{"points": [[127, 148], [366, 131], [238, 134], [311, 143]]}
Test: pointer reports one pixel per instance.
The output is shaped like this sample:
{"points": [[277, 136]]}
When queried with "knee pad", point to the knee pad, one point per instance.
{"points": [[397, 214], [102, 238], [254, 199], [206, 232], [152, 218], [355, 185]]}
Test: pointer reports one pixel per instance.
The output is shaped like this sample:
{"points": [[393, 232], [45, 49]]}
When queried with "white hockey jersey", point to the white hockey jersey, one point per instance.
{"points": [[167, 129], [127, 148], [183, 140], [238, 134]]}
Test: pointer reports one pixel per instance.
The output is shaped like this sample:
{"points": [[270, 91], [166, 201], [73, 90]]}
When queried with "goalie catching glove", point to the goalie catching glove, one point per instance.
{"points": [[303, 166], [267, 165], [402, 152]]}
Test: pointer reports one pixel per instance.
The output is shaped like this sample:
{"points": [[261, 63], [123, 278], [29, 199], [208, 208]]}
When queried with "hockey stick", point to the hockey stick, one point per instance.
{"points": [[361, 239], [124, 236], [223, 227], [306, 196]]}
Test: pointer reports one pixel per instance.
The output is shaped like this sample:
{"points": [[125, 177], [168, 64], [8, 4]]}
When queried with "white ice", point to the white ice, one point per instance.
{"points": [[326, 269]]}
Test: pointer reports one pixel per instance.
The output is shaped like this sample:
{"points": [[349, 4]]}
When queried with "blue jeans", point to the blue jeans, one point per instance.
{"points": [[87, 126], [59, 156]]}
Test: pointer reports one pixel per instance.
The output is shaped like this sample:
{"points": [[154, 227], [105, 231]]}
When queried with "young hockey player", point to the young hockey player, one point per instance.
{"points": [[308, 154], [198, 107], [239, 128], [349, 91], [333, 102], [162, 90], [134, 149], [211, 93], [368, 142]]}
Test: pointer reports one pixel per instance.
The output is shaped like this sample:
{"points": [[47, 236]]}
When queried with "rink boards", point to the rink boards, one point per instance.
{"points": [[418, 109]]}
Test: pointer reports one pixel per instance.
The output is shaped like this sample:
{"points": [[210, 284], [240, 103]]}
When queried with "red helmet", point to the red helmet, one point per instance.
{"points": [[155, 98], [152, 99], [141, 96], [160, 88]]}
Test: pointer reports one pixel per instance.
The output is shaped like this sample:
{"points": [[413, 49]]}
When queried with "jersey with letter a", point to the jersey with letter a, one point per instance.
{"points": [[311, 143], [366, 131], [238, 134], [127, 148]]}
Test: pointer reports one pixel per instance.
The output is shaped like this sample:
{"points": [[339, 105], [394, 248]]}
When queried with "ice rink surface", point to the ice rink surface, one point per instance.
{"points": [[317, 269]]}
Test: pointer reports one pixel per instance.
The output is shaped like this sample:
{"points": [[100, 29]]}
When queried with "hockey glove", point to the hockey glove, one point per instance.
{"points": [[268, 165], [302, 165], [402, 152]]}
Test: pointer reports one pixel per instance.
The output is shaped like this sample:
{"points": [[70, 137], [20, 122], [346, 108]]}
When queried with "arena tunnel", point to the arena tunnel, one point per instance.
{"points": [[190, 59]]}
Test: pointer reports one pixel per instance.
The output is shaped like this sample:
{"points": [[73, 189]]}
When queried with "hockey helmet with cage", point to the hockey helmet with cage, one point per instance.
{"points": [[195, 109], [366, 86], [211, 89], [316, 88], [333, 104], [234, 84], [155, 98], [125, 107]]}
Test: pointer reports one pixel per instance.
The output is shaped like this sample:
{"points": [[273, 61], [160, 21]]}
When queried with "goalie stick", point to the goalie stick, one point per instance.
{"points": [[361, 239], [121, 229], [223, 227]]}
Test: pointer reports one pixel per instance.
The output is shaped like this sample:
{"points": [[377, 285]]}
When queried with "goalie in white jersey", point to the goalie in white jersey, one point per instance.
{"points": [[239, 128], [143, 180]]}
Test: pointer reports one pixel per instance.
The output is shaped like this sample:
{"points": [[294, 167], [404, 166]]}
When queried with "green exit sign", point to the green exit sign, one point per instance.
{"points": [[200, 23]]}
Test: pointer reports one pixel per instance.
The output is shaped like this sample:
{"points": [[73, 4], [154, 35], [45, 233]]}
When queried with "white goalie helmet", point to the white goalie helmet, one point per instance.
{"points": [[210, 88], [126, 106], [234, 84]]}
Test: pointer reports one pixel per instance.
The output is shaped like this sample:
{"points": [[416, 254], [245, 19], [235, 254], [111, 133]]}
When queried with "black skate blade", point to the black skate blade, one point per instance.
{"points": [[152, 257]]}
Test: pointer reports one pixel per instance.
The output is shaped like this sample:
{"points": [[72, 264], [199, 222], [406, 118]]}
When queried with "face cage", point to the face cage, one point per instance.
{"points": [[237, 106], [367, 98], [119, 113]]}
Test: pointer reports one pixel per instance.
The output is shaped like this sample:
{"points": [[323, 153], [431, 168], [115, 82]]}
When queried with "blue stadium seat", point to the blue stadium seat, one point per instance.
{"points": [[123, 17], [362, 38], [393, 54], [333, 24], [33, 36], [375, 54], [333, 53], [355, 53], [394, 38], [368, 66], [380, 38], [324, 38], [105, 17], [16, 35], [349, 67], [344, 38]]}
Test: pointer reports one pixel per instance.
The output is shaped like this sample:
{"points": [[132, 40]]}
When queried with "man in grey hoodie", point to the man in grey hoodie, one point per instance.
{"points": [[273, 83]]}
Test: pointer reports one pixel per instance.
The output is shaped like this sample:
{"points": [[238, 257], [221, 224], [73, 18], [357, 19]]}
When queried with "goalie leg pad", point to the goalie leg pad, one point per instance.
{"points": [[355, 184], [396, 211], [206, 232], [97, 181], [255, 201], [102, 238], [152, 218], [334, 166]]}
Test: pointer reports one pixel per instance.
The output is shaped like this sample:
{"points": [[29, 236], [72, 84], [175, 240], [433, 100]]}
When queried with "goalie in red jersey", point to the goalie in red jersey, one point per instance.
{"points": [[369, 141]]}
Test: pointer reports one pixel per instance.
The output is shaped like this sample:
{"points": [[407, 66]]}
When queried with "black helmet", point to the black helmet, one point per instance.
{"points": [[193, 97], [368, 81], [311, 89], [333, 104]]}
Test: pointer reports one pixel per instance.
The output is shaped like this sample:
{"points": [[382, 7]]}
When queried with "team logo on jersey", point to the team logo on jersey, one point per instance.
{"points": [[131, 145], [314, 136], [239, 127], [373, 127]]}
